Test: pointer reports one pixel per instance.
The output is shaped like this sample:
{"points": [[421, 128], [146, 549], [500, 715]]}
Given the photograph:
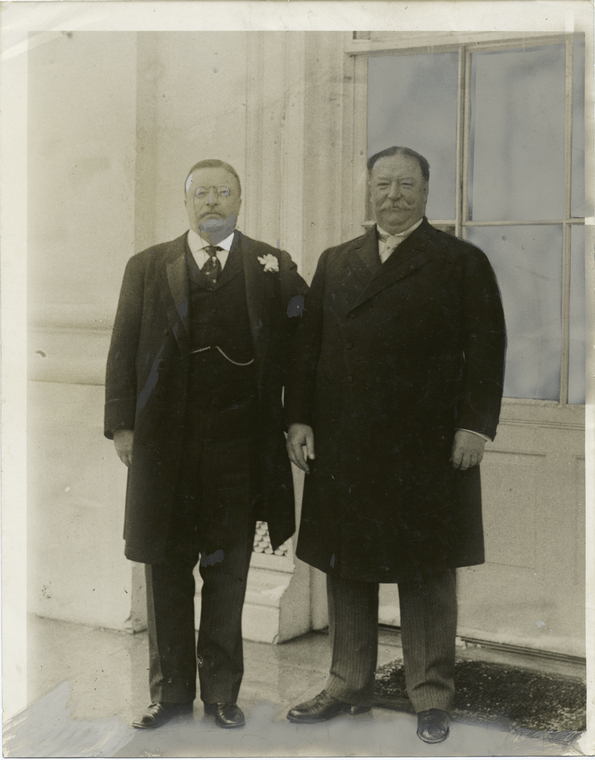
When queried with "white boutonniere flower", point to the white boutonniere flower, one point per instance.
{"points": [[269, 262]]}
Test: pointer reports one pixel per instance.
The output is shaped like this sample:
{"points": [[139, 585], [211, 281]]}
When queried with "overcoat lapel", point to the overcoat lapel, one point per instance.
{"points": [[255, 299], [360, 261], [173, 283], [411, 255], [363, 258]]}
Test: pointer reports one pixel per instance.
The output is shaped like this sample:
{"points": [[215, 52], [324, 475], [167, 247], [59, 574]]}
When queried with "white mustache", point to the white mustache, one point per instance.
{"points": [[400, 206]]}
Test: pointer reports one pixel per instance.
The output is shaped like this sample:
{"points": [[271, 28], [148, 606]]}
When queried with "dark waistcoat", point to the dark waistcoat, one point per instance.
{"points": [[221, 363], [219, 475]]}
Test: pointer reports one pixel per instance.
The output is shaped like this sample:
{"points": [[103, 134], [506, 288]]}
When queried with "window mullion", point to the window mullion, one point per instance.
{"points": [[460, 159]]}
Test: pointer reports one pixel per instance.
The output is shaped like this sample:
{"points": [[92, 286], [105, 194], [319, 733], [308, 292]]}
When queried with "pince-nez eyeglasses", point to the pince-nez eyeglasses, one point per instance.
{"points": [[203, 192]]}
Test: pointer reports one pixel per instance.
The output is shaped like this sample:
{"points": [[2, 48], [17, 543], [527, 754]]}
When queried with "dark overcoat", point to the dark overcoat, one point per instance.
{"points": [[387, 364], [147, 381]]}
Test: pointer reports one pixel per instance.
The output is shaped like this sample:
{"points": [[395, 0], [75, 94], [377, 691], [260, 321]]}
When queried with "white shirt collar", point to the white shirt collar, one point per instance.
{"points": [[197, 247], [197, 243], [387, 242], [403, 234]]}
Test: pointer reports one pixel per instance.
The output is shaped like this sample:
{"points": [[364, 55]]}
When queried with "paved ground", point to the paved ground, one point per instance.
{"points": [[86, 684]]}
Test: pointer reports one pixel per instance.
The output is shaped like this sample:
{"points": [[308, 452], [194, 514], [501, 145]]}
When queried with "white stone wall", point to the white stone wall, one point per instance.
{"points": [[81, 204]]}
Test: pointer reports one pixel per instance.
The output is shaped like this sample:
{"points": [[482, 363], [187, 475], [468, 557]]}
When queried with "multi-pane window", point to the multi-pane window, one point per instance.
{"points": [[502, 125]]}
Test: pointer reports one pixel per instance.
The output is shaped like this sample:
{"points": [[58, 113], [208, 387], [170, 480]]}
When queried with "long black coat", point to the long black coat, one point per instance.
{"points": [[147, 377], [386, 367]]}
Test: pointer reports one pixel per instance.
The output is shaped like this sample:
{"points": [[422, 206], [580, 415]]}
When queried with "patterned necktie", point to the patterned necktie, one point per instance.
{"points": [[212, 267]]}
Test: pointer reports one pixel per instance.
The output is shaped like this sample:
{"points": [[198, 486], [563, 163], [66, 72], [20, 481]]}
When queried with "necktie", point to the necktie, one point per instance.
{"points": [[212, 267]]}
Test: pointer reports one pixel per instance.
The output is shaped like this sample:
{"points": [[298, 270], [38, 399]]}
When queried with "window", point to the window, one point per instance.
{"points": [[502, 125]]}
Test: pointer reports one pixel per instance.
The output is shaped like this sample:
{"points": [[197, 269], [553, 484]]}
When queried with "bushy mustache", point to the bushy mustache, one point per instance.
{"points": [[399, 205], [212, 225]]}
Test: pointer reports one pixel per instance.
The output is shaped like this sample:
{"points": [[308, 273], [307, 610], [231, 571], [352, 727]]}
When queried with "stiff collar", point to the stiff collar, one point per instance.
{"points": [[196, 243], [384, 235]]}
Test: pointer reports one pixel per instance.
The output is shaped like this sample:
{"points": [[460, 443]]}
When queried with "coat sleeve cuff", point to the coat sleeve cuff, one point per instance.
{"points": [[118, 416]]}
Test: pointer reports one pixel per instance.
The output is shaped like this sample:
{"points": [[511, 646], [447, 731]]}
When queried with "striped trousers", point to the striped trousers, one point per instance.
{"points": [[428, 632]]}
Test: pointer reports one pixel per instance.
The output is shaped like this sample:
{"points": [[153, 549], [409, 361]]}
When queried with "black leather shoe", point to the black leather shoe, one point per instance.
{"points": [[226, 715], [432, 725], [159, 713], [323, 707]]}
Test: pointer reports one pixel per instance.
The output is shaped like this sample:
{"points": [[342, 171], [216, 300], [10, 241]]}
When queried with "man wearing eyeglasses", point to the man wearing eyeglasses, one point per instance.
{"points": [[194, 383]]}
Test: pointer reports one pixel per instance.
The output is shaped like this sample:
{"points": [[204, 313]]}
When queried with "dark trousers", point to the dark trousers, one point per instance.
{"points": [[428, 632], [213, 520]]}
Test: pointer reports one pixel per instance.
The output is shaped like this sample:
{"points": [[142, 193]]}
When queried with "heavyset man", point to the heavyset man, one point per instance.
{"points": [[394, 387], [194, 385]]}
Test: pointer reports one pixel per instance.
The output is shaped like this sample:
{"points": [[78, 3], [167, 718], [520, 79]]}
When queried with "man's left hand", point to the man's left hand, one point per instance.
{"points": [[467, 450]]}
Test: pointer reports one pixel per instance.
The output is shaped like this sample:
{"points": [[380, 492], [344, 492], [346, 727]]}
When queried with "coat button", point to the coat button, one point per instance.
{"points": [[349, 378], [352, 316], [349, 345]]}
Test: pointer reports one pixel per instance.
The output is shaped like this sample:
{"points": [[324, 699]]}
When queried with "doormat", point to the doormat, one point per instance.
{"points": [[504, 697]]}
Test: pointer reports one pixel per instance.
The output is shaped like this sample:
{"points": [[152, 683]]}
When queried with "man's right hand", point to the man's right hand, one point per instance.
{"points": [[300, 437], [123, 442]]}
